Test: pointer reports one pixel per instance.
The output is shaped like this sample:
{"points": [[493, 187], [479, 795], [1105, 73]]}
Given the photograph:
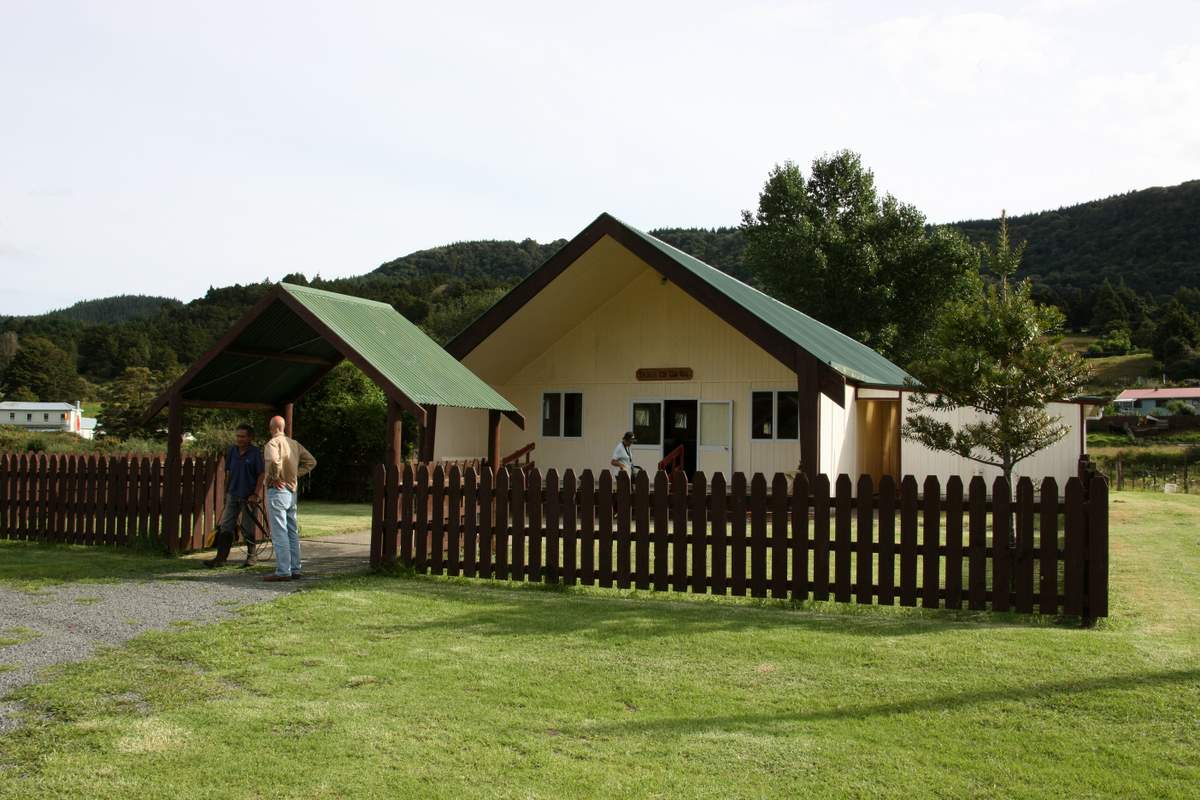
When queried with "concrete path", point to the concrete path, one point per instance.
{"points": [[70, 621]]}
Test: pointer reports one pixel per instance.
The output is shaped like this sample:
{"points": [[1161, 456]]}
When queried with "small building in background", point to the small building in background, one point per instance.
{"points": [[31, 416], [1155, 401]]}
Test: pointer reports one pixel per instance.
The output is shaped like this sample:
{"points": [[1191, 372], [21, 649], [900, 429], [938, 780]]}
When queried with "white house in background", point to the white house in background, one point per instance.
{"points": [[620, 331], [1154, 401], [47, 417]]}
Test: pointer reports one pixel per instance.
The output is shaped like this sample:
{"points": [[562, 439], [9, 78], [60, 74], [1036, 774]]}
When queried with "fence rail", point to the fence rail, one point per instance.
{"points": [[107, 500], [1032, 551]]}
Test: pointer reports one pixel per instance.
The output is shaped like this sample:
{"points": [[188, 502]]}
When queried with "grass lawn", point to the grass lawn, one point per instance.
{"points": [[424, 687], [29, 566], [319, 518], [1123, 371]]}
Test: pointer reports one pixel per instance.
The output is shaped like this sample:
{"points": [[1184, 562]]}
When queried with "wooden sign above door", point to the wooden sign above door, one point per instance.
{"points": [[664, 374]]}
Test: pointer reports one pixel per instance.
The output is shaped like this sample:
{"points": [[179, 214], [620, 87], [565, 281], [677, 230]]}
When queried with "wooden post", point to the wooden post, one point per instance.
{"points": [[174, 465], [394, 453], [493, 443], [809, 396], [428, 434], [285, 411]]}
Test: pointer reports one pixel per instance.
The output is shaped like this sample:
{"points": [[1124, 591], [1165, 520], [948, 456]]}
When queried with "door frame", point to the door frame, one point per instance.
{"points": [[701, 447]]}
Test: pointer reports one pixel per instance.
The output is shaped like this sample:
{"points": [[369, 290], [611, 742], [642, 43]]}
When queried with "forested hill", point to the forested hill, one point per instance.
{"points": [[119, 308], [1150, 239]]}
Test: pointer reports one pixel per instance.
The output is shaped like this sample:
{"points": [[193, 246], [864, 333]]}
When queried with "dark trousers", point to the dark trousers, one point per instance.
{"points": [[235, 507]]}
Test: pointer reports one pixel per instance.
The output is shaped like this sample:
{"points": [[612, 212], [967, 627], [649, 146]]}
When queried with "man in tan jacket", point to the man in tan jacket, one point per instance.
{"points": [[287, 461]]}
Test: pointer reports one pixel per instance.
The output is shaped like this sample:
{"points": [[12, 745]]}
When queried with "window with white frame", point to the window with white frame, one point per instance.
{"points": [[775, 416], [562, 414]]}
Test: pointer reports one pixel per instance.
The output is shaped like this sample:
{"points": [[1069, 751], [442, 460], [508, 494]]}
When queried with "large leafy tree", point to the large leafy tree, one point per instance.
{"points": [[42, 369], [867, 265], [125, 400], [997, 352]]}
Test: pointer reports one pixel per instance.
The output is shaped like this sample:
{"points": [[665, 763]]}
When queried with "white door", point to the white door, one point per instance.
{"points": [[716, 438]]}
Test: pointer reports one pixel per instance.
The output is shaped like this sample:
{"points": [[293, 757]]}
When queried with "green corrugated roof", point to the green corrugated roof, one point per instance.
{"points": [[400, 350], [850, 357]]}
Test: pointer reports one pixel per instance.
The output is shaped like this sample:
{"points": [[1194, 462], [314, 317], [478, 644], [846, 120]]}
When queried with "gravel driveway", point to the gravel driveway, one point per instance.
{"points": [[70, 621]]}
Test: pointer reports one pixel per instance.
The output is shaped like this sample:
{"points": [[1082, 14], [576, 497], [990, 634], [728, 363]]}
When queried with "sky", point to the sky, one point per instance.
{"points": [[162, 148]]}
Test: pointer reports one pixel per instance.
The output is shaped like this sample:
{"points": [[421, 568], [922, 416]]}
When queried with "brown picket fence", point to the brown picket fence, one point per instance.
{"points": [[107, 500], [1036, 551]]}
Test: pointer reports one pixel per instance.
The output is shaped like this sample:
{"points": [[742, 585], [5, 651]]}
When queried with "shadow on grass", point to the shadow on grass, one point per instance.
{"points": [[34, 564], [506, 609], [1051, 691]]}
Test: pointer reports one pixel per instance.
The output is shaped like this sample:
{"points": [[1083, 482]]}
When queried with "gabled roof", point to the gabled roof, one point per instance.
{"points": [[284, 345], [22, 405], [788, 334], [1180, 393]]}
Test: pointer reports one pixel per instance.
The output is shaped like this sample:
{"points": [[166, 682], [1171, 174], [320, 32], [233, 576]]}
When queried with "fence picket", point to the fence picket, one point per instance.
{"points": [[437, 520], [737, 536], [887, 540], [699, 548], [421, 518], [533, 532], [1097, 566], [389, 544], [758, 535], [863, 541], [779, 536], [641, 523], [471, 504], [820, 573], [977, 559], [487, 521], [552, 526], [1048, 545], [570, 526], [604, 524], [624, 521], [679, 532], [842, 546], [378, 507], [799, 583], [954, 541], [501, 527], [908, 541], [931, 537], [1001, 536], [718, 522], [587, 521], [516, 510], [454, 520], [407, 546], [1024, 546], [660, 498]]}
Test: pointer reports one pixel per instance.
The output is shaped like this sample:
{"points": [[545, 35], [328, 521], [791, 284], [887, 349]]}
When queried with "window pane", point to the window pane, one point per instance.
{"points": [[573, 414], [551, 414], [647, 423], [788, 417], [760, 415]]}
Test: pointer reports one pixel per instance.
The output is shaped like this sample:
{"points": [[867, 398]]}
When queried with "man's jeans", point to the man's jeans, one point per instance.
{"points": [[285, 534], [234, 507]]}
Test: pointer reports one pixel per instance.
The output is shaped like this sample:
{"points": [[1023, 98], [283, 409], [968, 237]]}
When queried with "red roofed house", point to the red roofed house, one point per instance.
{"points": [[1154, 401]]}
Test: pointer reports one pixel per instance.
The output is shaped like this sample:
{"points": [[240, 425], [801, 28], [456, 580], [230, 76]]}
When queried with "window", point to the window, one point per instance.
{"points": [[775, 415], [562, 414], [787, 415], [647, 423], [12, 415], [29, 417], [46, 417], [762, 421], [573, 414], [552, 414]]}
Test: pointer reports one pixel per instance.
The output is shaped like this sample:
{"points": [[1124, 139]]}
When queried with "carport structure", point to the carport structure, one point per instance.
{"points": [[290, 339]]}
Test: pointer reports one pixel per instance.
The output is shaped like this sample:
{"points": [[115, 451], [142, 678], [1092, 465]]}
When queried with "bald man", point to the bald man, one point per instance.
{"points": [[287, 461]]}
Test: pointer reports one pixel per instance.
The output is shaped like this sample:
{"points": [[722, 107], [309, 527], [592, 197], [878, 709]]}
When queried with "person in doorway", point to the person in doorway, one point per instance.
{"points": [[622, 458], [243, 486], [287, 461]]}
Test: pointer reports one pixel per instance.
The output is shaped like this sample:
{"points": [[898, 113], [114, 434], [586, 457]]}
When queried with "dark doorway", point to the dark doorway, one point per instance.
{"points": [[680, 427]]}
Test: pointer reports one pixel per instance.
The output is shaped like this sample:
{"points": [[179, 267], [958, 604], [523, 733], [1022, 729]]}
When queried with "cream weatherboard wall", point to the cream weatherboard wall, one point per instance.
{"points": [[649, 322], [1060, 460]]}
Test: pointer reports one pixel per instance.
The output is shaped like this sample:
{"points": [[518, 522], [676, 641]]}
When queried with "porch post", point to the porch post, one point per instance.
{"points": [[809, 396], [394, 453], [174, 469], [493, 445], [285, 411], [429, 434]]}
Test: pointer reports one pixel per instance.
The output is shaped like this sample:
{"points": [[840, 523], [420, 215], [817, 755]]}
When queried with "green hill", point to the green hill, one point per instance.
{"points": [[119, 308]]}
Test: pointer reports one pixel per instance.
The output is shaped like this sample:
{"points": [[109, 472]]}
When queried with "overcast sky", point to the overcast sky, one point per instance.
{"points": [[163, 147]]}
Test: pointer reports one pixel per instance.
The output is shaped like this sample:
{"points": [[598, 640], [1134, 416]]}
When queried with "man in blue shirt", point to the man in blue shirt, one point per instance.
{"points": [[244, 470]]}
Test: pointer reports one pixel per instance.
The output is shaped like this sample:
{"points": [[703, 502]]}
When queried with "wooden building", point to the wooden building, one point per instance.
{"points": [[621, 331]]}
